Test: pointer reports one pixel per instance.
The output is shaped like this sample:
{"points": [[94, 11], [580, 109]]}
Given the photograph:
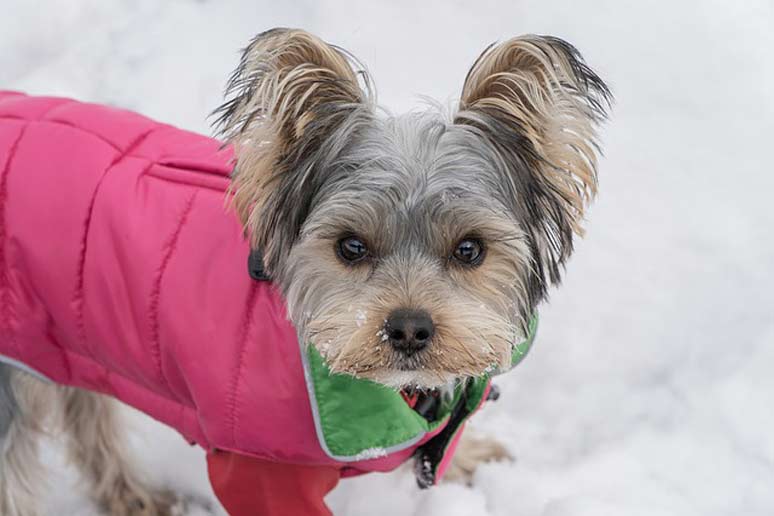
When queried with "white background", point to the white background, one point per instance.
{"points": [[650, 390]]}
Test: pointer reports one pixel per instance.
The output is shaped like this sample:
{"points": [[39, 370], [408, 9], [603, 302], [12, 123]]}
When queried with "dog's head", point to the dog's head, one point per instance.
{"points": [[412, 250]]}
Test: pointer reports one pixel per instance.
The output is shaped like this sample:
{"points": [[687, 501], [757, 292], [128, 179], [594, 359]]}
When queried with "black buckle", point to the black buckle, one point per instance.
{"points": [[255, 266], [428, 456]]}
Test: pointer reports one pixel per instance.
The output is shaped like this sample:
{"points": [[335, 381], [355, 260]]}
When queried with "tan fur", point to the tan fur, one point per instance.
{"points": [[309, 150], [21, 474], [472, 451], [95, 445], [528, 82], [467, 341], [472, 310], [298, 73]]}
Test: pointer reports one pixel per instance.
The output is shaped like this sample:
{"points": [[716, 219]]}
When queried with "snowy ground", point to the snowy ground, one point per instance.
{"points": [[650, 390]]}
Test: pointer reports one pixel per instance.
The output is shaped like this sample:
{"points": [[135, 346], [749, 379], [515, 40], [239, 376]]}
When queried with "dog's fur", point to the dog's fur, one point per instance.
{"points": [[511, 169]]}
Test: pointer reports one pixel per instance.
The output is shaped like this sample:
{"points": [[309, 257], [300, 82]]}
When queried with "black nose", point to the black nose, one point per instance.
{"points": [[409, 331]]}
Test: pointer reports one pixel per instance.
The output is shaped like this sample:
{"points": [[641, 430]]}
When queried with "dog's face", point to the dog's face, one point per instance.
{"points": [[413, 250]]}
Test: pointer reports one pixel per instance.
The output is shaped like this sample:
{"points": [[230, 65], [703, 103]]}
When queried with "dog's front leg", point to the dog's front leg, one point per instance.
{"points": [[472, 451], [97, 446], [24, 403]]}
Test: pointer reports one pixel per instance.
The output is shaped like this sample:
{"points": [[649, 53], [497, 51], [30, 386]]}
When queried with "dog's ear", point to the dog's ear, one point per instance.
{"points": [[290, 93], [539, 104]]}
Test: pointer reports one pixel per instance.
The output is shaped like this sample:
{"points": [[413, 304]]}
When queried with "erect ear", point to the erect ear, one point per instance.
{"points": [[285, 103], [537, 102]]}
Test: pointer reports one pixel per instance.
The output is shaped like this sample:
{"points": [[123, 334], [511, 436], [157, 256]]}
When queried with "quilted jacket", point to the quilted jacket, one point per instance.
{"points": [[123, 271]]}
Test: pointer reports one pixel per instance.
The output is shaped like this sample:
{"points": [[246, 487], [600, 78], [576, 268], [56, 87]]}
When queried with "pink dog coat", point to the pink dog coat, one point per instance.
{"points": [[123, 271]]}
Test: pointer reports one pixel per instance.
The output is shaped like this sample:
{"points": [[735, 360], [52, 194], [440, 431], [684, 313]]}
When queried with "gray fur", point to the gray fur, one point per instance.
{"points": [[8, 406], [318, 162], [412, 187]]}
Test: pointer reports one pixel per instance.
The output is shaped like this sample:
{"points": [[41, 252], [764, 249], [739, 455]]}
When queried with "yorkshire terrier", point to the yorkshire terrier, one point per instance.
{"points": [[411, 250]]}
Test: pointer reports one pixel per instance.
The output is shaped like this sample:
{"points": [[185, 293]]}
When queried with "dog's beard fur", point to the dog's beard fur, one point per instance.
{"points": [[514, 168]]}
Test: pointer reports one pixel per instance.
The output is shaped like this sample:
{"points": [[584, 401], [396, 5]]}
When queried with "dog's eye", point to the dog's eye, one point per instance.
{"points": [[351, 249], [469, 251]]}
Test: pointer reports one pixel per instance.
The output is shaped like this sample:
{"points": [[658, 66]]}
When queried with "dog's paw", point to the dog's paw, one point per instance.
{"points": [[194, 505], [472, 451], [135, 502]]}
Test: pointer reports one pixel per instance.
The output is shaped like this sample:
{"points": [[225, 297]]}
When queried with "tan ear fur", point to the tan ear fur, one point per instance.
{"points": [[290, 91], [542, 85]]}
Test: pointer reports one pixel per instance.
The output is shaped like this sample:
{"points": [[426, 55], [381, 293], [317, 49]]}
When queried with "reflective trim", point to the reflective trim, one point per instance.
{"points": [[362, 454], [24, 367], [520, 351]]}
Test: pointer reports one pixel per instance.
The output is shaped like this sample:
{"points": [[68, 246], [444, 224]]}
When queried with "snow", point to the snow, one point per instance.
{"points": [[649, 389], [361, 316]]}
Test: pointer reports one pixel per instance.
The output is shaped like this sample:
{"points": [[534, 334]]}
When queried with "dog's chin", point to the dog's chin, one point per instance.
{"points": [[422, 380], [401, 377], [398, 371]]}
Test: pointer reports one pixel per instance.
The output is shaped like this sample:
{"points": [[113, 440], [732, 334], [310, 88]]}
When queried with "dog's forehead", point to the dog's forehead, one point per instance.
{"points": [[414, 178], [422, 158]]}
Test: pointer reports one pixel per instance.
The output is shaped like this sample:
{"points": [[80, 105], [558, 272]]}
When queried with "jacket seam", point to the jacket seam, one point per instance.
{"points": [[64, 124], [5, 268], [78, 296], [232, 394], [153, 304], [52, 338], [155, 175]]}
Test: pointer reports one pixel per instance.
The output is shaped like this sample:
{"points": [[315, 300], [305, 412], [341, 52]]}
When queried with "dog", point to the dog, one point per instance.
{"points": [[410, 251]]}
